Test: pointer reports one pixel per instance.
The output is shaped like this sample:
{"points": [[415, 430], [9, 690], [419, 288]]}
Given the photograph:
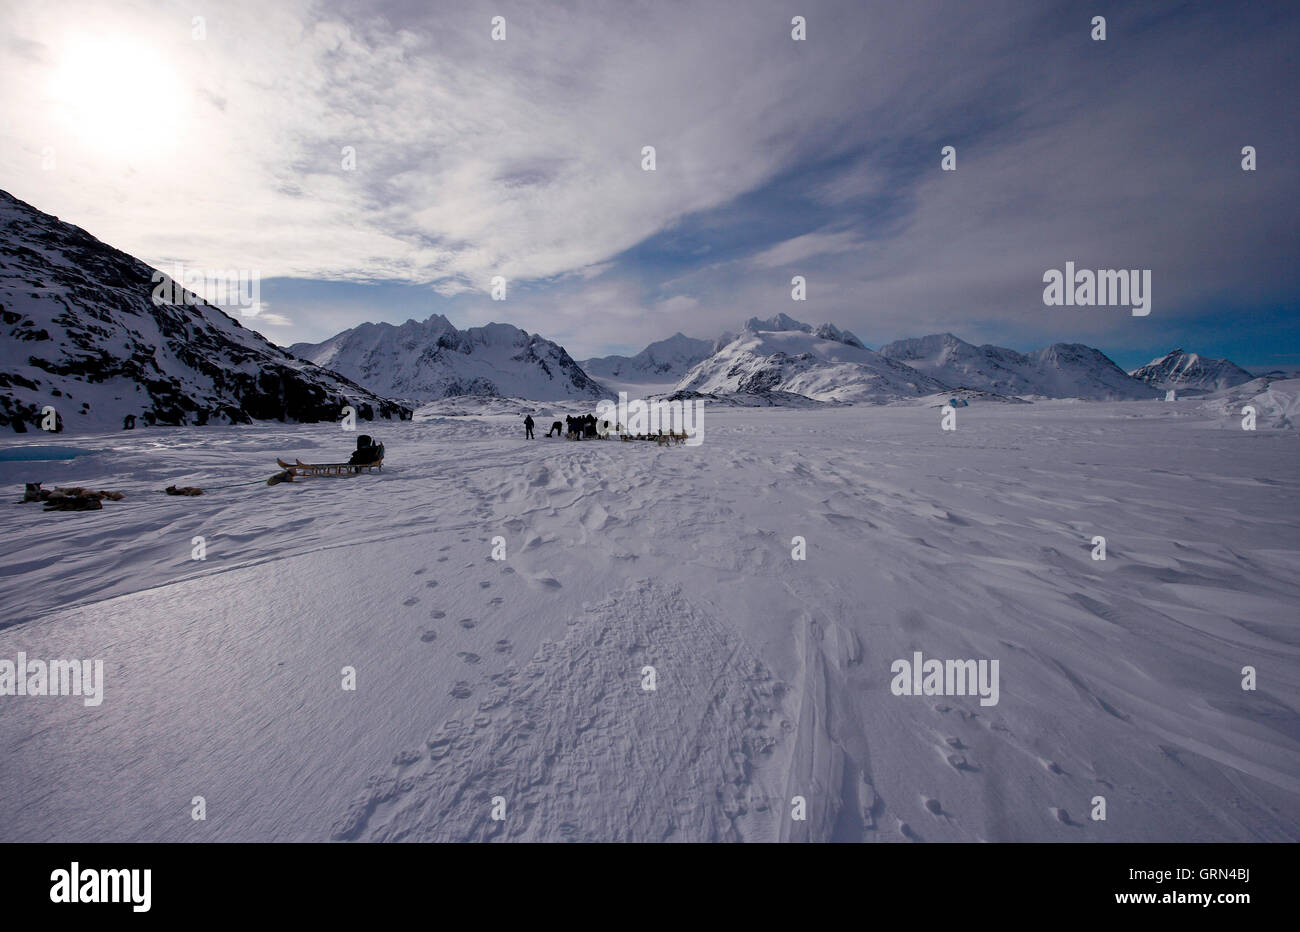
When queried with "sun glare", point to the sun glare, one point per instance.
{"points": [[112, 91]]}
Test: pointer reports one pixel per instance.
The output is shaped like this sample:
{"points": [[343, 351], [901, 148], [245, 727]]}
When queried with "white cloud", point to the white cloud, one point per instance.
{"points": [[473, 158], [804, 247]]}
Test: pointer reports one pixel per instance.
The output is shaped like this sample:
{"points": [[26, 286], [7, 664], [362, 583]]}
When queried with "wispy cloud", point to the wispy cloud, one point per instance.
{"points": [[801, 248], [472, 158]]}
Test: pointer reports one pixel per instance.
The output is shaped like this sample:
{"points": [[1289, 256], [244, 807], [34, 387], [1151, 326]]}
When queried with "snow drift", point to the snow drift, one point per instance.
{"points": [[1276, 403]]}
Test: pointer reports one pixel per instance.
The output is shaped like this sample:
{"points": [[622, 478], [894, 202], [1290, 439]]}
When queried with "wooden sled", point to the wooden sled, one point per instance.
{"points": [[660, 438], [298, 468]]}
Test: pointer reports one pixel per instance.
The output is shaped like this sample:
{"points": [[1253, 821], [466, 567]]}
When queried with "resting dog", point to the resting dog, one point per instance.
{"points": [[34, 493], [73, 503]]}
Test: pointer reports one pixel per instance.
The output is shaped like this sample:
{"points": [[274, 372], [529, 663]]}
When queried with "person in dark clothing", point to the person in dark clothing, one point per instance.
{"points": [[528, 427], [556, 428], [367, 452]]}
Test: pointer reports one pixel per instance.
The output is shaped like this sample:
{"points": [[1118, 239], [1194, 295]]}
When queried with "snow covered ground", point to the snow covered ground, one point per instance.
{"points": [[522, 678]]}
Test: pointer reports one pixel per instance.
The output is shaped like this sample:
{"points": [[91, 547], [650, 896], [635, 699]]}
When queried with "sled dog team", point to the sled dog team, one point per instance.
{"points": [[586, 427], [679, 421]]}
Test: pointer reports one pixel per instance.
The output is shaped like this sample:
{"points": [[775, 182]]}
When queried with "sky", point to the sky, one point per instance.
{"points": [[217, 136]]}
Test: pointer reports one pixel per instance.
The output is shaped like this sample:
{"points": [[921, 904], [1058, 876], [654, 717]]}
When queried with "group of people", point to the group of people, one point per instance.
{"points": [[583, 426]]}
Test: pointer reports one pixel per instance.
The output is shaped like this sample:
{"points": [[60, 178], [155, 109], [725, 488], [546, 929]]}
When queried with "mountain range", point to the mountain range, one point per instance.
{"points": [[86, 335], [1062, 370]]}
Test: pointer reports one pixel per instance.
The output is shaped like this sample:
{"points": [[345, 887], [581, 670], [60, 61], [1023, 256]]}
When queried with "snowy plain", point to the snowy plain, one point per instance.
{"points": [[522, 678]]}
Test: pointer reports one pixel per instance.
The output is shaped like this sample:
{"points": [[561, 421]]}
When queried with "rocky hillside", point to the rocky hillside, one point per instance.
{"points": [[84, 335]]}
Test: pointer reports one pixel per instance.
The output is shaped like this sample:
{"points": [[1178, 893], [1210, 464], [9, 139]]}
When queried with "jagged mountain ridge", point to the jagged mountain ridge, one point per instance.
{"points": [[431, 359]]}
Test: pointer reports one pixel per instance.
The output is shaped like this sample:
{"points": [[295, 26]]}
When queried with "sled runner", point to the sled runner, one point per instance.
{"points": [[368, 456], [299, 468]]}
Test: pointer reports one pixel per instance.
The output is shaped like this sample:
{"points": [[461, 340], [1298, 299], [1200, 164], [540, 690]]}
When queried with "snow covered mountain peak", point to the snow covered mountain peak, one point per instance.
{"points": [[778, 323], [664, 360], [783, 355], [783, 323], [831, 332], [431, 359], [936, 345], [1185, 371]]}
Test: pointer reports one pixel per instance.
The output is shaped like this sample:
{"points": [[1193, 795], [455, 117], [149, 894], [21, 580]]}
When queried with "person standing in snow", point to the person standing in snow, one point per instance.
{"points": [[528, 427]]}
